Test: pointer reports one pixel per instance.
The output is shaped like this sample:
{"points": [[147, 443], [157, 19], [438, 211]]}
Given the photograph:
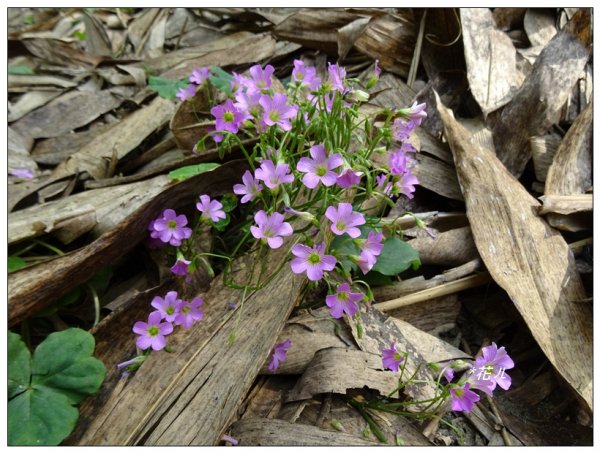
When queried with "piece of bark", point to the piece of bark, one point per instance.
{"points": [[566, 204], [539, 101], [450, 248], [317, 29], [38, 81], [390, 39], [526, 257], [272, 431], [338, 370], [491, 59], [165, 401], [378, 332], [311, 333], [118, 141], [70, 111], [35, 287], [52, 217]]}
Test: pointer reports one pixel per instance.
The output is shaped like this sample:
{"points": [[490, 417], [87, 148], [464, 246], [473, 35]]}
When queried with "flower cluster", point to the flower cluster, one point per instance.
{"points": [[311, 176], [170, 311], [487, 371]]}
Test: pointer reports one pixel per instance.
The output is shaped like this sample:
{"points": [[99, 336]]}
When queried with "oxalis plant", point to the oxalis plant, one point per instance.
{"points": [[313, 190], [43, 389]]}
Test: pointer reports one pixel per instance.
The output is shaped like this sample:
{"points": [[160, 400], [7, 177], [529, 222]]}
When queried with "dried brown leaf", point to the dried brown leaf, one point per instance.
{"points": [[491, 59], [120, 139], [538, 103], [70, 111], [526, 257]]}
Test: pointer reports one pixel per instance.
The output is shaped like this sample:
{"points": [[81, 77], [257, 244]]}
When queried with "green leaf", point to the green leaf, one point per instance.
{"points": [[221, 80], [188, 171], [15, 263], [374, 278], [62, 374], [166, 88], [222, 223], [229, 202], [40, 416], [79, 35], [63, 362], [20, 70], [101, 279], [396, 256], [19, 365]]}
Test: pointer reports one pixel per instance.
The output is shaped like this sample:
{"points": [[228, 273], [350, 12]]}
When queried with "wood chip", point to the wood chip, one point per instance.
{"points": [[450, 248], [566, 204], [526, 257], [29, 101]]}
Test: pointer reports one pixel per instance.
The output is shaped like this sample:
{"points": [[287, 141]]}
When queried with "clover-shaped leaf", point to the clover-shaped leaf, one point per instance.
{"points": [[396, 256], [42, 391]]}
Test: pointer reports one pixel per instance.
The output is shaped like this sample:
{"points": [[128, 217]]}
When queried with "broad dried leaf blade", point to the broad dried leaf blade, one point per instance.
{"points": [[526, 257], [491, 59]]}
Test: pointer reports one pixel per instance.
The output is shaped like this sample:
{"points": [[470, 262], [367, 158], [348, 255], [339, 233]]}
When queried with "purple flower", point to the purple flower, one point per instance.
{"points": [[398, 162], [343, 220], [391, 358], [312, 260], [490, 368], [306, 75], [336, 77], [319, 168], [167, 307], [260, 78], [463, 398], [366, 261], [406, 184], [343, 301], [23, 173], [247, 103], [271, 227], [383, 185], [238, 82], [349, 178], [210, 209], [373, 244], [377, 69], [228, 117], [402, 128], [277, 111], [417, 113], [229, 439], [199, 76], [273, 175], [170, 228], [152, 334], [180, 267], [186, 93], [279, 353], [189, 312], [249, 189]]}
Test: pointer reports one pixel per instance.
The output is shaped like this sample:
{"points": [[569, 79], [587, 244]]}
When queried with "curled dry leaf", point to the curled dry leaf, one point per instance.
{"points": [[526, 257]]}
